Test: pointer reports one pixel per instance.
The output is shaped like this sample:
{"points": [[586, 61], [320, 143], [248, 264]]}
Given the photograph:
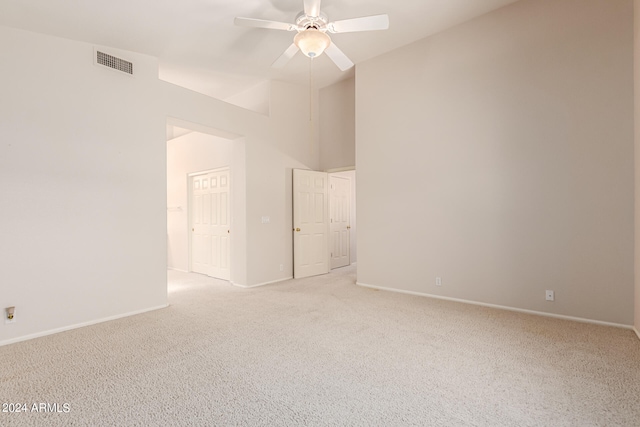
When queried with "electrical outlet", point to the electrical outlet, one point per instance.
{"points": [[281, 267], [550, 296], [10, 315], [438, 281]]}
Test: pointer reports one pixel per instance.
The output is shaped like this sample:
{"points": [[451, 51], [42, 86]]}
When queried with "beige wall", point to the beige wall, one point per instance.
{"points": [[255, 98], [636, 51], [498, 155], [292, 144], [83, 182], [82, 173], [337, 125]]}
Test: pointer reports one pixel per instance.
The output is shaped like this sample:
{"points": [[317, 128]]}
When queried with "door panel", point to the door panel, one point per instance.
{"points": [[310, 223], [210, 224], [224, 255], [340, 201], [224, 207]]}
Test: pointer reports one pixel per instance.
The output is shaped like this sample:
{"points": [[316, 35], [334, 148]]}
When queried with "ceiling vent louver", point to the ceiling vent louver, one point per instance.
{"points": [[114, 62]]}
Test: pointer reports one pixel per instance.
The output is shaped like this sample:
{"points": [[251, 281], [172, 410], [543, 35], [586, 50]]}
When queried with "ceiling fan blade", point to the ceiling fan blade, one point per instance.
{"points": [[366, 23], [312, 7], [286, 56], [261, 23], [338, 57]]}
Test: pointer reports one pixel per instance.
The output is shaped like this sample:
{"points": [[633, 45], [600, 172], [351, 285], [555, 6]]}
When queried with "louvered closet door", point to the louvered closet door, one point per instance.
{"points": [[211, 224]]}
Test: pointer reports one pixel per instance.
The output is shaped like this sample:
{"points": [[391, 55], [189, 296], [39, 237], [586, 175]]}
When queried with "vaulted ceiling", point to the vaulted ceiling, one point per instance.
{"points": [[199, 46]]}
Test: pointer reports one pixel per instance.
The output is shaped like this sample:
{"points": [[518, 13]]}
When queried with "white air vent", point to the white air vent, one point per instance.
{"points": [[114, 62]]}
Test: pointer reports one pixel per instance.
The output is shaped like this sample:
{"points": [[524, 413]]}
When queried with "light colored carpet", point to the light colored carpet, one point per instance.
{"points": [[323, 351]]}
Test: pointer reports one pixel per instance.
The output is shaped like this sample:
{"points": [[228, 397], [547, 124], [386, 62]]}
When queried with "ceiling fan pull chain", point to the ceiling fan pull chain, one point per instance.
{"points": [[311, 106]]}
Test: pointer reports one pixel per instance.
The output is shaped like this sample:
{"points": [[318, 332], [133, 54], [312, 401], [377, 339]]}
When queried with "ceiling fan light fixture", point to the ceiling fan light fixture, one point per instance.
{"points": [[312, 42]]}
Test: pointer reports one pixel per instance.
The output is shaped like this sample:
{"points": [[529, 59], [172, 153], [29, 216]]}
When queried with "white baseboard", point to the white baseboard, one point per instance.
{"points": [[261, 284], [177, 269], [637, 332], [502, 307], [78, 325]]}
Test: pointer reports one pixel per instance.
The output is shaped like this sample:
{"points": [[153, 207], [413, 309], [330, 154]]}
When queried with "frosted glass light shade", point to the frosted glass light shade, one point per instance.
{"points": [[312, 42]]}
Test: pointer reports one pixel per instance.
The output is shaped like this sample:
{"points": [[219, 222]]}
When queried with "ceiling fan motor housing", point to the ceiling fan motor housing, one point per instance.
{"points": [[304, 22]]}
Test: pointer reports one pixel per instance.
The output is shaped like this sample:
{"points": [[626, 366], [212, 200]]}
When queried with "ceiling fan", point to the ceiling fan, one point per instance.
{"points": [[312, 38]]}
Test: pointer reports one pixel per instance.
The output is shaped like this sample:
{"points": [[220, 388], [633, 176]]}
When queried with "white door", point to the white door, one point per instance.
{"points": [[210, 242], [310, 223], [340, 209]]}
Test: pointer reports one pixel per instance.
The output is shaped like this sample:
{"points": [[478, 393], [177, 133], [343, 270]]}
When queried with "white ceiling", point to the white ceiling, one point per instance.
{"points": [[199, 47]]}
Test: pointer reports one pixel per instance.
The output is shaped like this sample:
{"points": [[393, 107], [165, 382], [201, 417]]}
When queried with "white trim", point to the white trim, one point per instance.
{"points": [[79, 325], [501, 307], [637, 332], [195, 127], [342, 169], [220, 169], [262, 284]]}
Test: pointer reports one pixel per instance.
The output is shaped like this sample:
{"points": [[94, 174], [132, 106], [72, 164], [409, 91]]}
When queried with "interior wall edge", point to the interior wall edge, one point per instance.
{"points": [[261, 284]]}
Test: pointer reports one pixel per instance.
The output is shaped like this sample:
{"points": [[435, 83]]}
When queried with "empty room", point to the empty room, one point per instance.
{"points": [[306, 212]]}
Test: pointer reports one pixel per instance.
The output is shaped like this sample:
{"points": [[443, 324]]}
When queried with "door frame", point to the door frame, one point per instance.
{"points": [[190, 176]]}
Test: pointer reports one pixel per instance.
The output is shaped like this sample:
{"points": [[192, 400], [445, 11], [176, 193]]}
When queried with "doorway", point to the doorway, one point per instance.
{"points": [[324, 220], [193, 152]]}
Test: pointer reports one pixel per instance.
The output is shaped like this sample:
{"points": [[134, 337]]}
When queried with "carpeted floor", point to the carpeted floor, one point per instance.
{"points": [[324, 352]]}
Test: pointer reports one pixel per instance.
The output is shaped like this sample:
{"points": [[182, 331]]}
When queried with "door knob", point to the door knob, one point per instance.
{"points": [[348, 227], [297, 229]]}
